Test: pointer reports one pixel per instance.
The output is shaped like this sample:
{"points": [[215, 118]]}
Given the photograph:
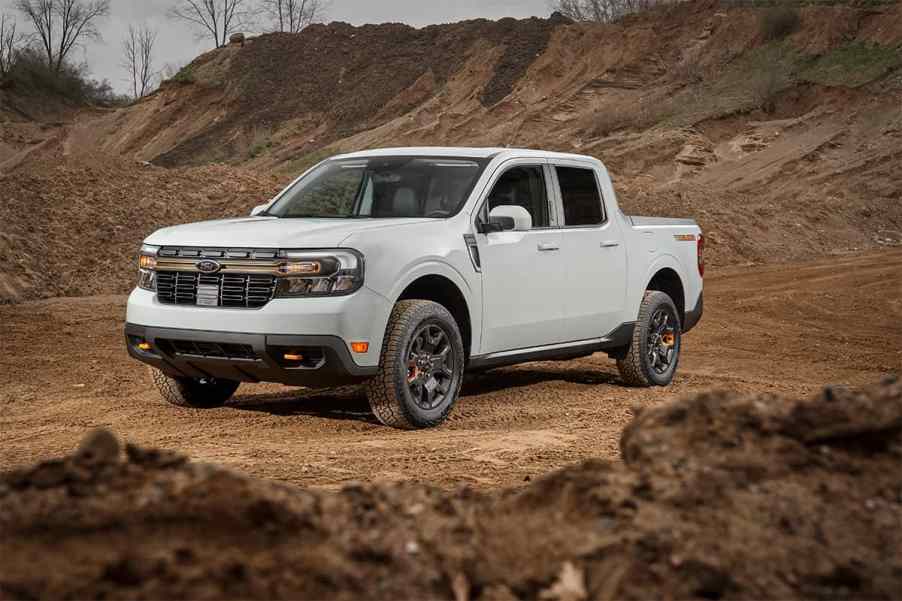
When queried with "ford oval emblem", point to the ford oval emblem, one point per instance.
{"points": [[208, 266]]}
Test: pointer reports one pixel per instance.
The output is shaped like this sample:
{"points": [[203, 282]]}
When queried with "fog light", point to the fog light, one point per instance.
{"points": [[360, 347], [144, 346], [147, 279], [293, 357]]}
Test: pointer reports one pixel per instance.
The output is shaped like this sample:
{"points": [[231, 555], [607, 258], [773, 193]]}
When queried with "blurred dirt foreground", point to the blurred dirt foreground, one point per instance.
{"points": [[718, 496]]}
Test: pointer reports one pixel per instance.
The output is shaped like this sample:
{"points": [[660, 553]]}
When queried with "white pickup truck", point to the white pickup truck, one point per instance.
{"points": [[402, 268]]}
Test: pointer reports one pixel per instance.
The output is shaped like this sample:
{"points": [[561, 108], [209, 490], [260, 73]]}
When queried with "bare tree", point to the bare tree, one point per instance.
{"points": [[137, 50], [10, 43], [603, 11], [216, 19], [62, 24], [291, 16]]}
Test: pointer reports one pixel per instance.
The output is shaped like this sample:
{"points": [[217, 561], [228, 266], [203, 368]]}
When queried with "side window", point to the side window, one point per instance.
{"points": [[525, 187], [580, 196]]}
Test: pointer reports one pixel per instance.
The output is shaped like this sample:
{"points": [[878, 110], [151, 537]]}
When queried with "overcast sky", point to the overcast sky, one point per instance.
{"points": [[177, 44]]}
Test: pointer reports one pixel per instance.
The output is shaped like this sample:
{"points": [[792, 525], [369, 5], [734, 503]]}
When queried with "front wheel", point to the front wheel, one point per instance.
{"points": [[654, 351], [201, 393], [421, 367]]}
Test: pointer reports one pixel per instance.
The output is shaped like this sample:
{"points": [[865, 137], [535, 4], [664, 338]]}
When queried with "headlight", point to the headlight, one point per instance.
{"points": [[319, 273], [147, 263]]}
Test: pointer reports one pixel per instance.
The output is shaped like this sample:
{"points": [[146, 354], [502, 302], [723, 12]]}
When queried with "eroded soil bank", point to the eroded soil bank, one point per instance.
{"points": [[718, 496]]}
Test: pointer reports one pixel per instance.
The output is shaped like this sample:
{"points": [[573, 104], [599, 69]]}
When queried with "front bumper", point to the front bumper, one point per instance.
{"points": [[361, 316], [245, 357]]}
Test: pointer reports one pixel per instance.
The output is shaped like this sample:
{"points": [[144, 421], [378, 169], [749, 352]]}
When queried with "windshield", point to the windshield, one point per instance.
{"points": [[382, 187]]}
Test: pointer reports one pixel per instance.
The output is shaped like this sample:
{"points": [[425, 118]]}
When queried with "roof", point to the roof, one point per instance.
{"points": [[460, 151]]}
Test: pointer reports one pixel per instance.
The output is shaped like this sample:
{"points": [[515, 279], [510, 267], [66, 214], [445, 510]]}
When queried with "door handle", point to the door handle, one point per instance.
{"points": [[610, 243], [547, 246]]}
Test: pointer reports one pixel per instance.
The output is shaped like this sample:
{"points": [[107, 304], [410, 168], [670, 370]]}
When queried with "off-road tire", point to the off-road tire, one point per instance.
{"points": [[388, 392], [190, 392], [634, 367]]}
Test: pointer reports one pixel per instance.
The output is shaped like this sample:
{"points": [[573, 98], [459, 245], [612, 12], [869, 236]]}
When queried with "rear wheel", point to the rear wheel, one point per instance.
{"points": [[421, 367], [201, 393], [654, 352]]}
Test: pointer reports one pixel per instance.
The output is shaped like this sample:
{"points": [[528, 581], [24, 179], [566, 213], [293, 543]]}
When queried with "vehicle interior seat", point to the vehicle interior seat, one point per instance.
{"points": [[405, 203]]}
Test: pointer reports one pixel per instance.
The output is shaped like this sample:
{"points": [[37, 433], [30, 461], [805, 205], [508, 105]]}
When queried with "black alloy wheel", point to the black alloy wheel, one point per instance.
{"points": [[654, 351], [420, 368], [430, 366], [662, 340]]}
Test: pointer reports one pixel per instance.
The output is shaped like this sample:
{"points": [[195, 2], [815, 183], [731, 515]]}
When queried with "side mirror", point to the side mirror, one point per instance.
{"points": [[497, 223], [258, 209], [522, 220]]}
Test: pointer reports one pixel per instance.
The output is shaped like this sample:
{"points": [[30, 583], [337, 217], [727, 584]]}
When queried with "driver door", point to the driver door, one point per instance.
{"points": [[522, 271]]}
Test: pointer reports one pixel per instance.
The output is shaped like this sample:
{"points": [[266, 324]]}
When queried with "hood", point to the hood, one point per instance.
{"points": [[270, 232]]}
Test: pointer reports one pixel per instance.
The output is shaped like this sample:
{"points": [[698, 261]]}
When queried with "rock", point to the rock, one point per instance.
{"points": [[695, 154], [570, 585], [559, 18], [125, 572], [100, 447], [460, 586], [48, 474], [154, 457]]}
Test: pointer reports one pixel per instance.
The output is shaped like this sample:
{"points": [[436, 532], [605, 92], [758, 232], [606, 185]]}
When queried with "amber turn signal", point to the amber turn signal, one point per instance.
{"points": [[360, 347], [293, 357], [147, 262]]}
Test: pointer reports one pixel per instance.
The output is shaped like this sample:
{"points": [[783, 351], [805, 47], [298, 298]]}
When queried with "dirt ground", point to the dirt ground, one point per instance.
{"points": [[783, 329]]}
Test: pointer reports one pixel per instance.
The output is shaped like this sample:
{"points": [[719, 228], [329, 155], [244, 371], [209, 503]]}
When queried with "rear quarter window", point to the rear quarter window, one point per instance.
{"points": [[580, 196]]}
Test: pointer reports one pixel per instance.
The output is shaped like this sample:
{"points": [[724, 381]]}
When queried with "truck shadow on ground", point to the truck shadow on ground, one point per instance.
{"points": [[350, 403]]}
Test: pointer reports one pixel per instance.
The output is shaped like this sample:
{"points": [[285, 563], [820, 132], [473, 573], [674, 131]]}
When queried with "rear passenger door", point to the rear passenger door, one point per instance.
{"points": [[593, 251]]}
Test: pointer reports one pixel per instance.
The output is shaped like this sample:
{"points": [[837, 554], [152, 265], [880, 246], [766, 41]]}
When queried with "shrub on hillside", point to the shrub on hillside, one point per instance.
{"points": [[30, 76], [184, 76], [778, 22]]}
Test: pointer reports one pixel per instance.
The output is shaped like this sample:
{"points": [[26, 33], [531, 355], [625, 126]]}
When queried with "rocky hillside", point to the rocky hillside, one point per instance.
{"points": [[784, 141]]}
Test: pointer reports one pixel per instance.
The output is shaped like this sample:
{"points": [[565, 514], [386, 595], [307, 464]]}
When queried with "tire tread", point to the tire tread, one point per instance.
{"points": [[632, 366], [382, 390], [179, 392]]}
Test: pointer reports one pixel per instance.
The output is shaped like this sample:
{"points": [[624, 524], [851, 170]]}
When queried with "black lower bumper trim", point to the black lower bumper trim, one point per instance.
{"points": [[257, 357]]}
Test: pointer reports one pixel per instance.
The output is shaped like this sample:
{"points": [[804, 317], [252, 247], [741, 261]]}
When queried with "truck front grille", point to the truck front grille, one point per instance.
{"points": [[249, 291]]}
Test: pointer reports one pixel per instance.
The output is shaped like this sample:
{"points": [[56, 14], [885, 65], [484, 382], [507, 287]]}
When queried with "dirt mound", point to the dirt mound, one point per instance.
{"points": [[327, 83], [73, 227], [718, 496], [784, 149]]}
